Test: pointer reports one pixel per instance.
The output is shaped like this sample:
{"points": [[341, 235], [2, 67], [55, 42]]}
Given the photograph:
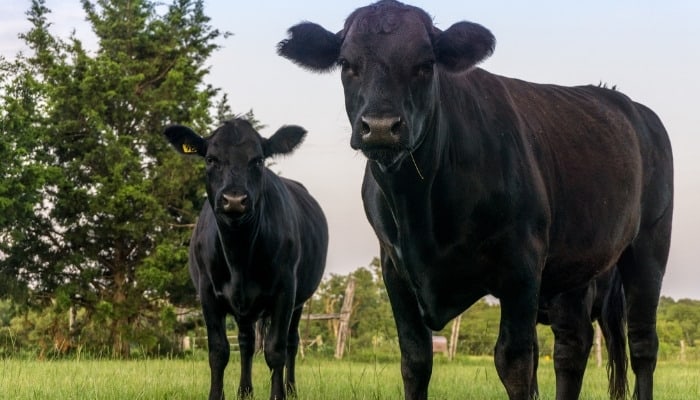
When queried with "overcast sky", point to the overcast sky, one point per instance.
{"points": [[649, 49]]}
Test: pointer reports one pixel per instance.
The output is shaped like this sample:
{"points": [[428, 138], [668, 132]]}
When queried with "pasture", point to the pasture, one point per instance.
{"points": [[317, 379]]}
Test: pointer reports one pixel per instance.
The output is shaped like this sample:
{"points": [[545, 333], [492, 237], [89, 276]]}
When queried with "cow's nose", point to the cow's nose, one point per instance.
{"points": [[234, 203], [383, 131]]}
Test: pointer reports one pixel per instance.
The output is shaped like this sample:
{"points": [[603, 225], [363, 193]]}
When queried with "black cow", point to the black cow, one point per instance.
{"points": [[258, 250], [477, 183]]}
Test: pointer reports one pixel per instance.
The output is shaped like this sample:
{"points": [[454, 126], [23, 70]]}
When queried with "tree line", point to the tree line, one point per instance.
{"points": [[45, 332], [373, 333], [96, 210]]}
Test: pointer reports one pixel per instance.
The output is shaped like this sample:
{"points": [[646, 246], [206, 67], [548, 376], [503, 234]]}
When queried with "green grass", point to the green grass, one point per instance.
{"points": [[465, 378]]}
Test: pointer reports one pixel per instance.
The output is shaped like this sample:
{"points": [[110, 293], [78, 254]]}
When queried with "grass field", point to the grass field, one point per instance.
{"points": [[468, 378]]}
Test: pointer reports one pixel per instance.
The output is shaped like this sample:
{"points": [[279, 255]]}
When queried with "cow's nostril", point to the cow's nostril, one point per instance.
{"points": [[396, 126], [365, 127]]}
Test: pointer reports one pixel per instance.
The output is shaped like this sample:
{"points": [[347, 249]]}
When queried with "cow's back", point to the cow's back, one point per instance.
{"points": [[600, 162]]}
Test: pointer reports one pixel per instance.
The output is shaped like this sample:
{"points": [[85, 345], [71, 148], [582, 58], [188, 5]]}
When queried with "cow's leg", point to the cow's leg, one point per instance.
{"points": [[534, 387], [414, 337], [276, 342], [570, 317], [642, 267], [246, 345], [215, 319], [514, 347], [518, 291], [292, 347]]}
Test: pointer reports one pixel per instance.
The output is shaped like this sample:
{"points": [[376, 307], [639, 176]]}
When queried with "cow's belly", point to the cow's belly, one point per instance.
{"points": [[575, 263], [561, 275], [243, 301]]}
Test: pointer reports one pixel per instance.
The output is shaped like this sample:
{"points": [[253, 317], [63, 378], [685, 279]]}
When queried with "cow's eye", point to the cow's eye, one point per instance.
{"points": [[347, 68], [424, 70], [257, 162], [211, 160]]}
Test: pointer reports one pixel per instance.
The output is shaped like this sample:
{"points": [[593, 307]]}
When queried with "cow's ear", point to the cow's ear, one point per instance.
{"points": [[185, 140], [311, 46], [284, 141], [463, 45]]}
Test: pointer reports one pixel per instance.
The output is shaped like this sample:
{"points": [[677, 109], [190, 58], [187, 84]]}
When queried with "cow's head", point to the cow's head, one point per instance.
{"points": [[235, 155], [391, 57]]}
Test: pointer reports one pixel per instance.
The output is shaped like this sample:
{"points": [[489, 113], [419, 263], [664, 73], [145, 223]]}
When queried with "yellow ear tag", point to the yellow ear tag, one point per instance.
{"points": [[188, 148]]}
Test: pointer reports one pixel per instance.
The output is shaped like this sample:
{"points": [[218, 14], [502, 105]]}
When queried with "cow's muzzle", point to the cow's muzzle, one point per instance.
{"points": [[237, 203], [380, 139], [380, 132]]}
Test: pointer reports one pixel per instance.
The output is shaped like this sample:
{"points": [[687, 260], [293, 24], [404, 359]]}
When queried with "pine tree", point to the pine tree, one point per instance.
{"points": [[97, 209]]}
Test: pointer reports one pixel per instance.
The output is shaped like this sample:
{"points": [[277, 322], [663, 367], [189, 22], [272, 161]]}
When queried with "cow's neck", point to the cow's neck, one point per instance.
{"points": [[238, 242], [239, 245], [430, 180], [408, 191], [450, 164]]}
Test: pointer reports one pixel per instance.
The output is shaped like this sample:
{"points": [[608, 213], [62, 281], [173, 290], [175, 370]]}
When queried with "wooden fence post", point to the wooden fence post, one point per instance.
{"points": [[454, 337], [345, 312], [682, 355]]}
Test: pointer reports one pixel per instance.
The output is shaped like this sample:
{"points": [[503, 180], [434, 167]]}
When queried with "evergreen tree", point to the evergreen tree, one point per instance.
{"points": [[96, 209]]}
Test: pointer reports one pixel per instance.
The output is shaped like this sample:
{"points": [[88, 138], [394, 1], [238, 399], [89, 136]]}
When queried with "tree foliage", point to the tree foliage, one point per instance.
{"points": [[95, 207]]}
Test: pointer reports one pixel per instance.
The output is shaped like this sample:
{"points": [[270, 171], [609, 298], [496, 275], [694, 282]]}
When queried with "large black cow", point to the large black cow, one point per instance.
{"points": [[258, 250], [477, 183]]}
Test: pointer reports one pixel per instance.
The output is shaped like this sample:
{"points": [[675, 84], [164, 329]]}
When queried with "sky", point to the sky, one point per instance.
{"points": [[649, 49]]}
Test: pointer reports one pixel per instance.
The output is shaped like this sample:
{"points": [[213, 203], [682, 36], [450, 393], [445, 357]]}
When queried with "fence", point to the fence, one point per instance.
{"points": [[190, 343]]}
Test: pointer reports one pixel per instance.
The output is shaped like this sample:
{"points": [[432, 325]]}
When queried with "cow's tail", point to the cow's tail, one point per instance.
{"points": [[612, 322]]}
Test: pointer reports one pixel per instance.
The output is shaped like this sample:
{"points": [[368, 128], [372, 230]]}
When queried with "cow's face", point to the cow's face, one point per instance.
{"points": [[391, 59], [387, 69], [234, 156]]}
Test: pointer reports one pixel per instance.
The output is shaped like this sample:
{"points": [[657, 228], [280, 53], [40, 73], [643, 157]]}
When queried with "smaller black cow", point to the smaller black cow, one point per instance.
{"points": [[258, 250]]}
